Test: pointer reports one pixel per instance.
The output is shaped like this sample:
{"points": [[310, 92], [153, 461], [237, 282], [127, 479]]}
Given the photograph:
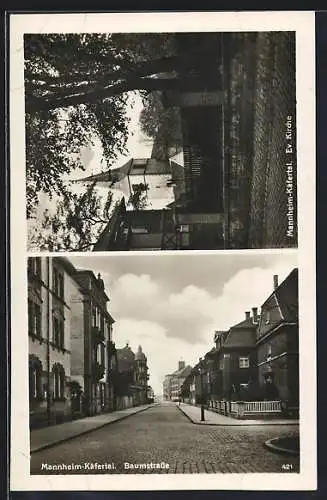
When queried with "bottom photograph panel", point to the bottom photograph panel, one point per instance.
{"points": [[164, 364]]}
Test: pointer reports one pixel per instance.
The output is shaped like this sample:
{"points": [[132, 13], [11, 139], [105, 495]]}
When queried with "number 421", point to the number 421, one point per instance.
{"points": [[287, 467]]}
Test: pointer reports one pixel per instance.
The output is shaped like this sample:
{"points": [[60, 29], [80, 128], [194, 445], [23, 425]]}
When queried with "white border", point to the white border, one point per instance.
{"points": [[304, 25]]}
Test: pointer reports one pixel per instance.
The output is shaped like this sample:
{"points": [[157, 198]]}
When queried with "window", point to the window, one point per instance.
{"points": [[30, 317], [34, 266], [58, 283], [58, 332], [61, 285], [35, 382], [267, 317], [37, 320], [244, 362], [100, 354], [221, 365], [55, 280], [58, 373]]}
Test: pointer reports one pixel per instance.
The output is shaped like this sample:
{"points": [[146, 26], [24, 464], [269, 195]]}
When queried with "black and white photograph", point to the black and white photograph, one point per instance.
{"points": [[160, 141], [204, 365]]}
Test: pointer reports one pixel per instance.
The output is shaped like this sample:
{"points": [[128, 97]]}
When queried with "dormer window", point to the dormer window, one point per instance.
{"points": [[267, 318]]}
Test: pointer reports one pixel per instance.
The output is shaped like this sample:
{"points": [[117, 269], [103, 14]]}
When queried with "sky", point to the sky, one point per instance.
{"points": [[171, 304]]}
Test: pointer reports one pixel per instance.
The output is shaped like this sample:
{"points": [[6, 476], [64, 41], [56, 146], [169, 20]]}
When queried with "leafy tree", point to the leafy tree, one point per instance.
{"points": [[161, 124], [76, 89], [65, 76], [77, 223]]}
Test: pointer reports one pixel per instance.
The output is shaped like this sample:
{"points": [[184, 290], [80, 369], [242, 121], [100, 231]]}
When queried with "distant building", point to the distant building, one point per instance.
{"points": [[278, 342], [174, 381], [132, 377], [167, 387]]}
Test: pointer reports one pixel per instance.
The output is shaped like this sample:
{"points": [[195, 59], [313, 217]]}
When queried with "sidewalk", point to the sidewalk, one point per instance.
{"points": [[193, 413], [50, 436]]}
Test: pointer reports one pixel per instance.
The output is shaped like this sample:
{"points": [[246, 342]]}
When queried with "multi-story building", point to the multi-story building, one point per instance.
{"points": [[70, 342], [237, 360], [167, 387], [91, 342], [173, 382], [132, 377], [141, 377], [278, 343], [50, 284]]}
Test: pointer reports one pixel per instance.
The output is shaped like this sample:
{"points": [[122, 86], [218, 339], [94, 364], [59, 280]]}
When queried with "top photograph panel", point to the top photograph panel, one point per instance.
{"points": [[160, 141]]}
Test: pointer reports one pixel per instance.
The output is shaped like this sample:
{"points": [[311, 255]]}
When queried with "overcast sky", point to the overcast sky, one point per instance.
{"points": [[172, 304]]}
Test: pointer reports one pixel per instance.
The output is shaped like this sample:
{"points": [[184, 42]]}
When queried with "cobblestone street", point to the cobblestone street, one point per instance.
{"points": [[163, 434]]}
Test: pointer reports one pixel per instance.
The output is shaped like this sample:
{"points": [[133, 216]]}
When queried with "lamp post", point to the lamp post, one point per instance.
{"points": [[201, 388]]}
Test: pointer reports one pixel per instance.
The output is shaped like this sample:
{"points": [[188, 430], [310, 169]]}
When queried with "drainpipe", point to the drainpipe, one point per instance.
{"points": [[48, 343]]}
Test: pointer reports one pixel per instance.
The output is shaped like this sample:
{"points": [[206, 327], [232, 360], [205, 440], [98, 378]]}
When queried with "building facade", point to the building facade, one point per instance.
{"points": [[174, 381], [237, 360], [49, 318], [132, 377], [92, 344], [70, 343]]}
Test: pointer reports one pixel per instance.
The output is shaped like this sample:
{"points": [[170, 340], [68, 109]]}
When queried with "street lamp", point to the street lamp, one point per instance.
{"points": [[201, 388]]}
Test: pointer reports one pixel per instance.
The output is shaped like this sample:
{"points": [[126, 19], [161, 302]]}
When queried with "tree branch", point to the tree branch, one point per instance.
{"points": [[35, 104]]}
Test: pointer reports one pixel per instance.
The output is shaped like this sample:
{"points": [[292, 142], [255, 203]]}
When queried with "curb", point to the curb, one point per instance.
{"points": [[231, 425], [82, 433], [279, 449]]}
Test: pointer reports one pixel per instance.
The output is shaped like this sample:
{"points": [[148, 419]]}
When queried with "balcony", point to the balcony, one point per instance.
{"points": [[97, 371]]}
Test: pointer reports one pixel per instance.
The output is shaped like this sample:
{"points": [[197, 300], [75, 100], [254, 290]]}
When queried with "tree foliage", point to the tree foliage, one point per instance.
{"points": [[66, 107], [161, 124], [76, 90]]}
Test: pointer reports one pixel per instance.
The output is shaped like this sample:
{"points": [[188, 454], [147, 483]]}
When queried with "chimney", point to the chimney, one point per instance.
{"points": [[181, 365], [255, 314], [275, 281], [247, 315]]}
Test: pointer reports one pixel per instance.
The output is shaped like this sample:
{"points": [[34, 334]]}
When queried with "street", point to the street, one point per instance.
{"points": [[163, 434]]}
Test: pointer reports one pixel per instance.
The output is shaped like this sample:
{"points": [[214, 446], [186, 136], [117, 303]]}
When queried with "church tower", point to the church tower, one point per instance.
{"points": [[152, 175]]}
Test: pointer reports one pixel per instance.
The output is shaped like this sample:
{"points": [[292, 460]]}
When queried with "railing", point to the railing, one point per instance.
{"points": [[242, 409]]}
